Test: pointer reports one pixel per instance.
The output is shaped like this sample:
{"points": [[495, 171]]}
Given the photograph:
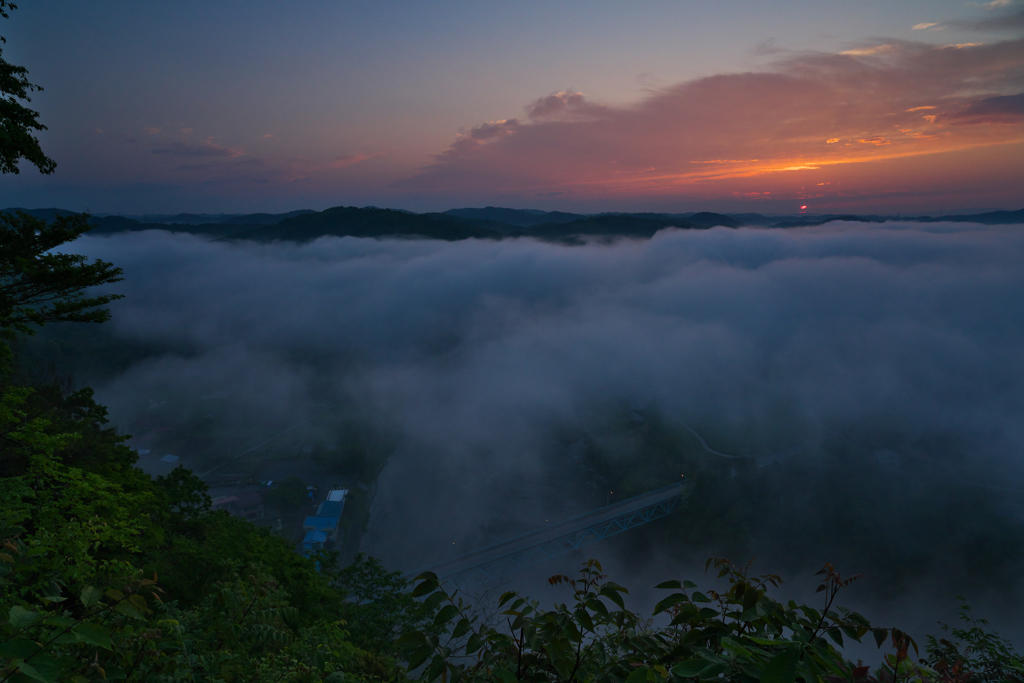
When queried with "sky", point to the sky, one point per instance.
{"points": [[664, 105]]}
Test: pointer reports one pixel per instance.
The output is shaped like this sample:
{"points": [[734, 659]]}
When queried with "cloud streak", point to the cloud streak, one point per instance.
{"points": [[193, 150], [808, 111]]}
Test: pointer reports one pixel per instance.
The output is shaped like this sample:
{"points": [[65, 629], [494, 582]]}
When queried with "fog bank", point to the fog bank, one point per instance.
{"points": [[482, 355]]}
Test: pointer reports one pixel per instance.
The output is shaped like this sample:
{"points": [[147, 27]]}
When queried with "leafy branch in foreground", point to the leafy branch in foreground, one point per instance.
{"points": [[738, 633], [983, 656]]}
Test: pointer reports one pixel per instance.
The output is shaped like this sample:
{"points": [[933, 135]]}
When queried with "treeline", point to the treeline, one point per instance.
{"points": [[109, 574], [460, 224]]}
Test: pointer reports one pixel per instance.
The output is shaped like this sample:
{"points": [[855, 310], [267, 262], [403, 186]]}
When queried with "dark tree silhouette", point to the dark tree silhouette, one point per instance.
{"points": [[18, 122]]}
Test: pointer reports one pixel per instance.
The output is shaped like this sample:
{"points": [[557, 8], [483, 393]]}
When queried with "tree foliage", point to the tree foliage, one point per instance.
{"points": [[736, 634], [18, 122], [40, 286]]}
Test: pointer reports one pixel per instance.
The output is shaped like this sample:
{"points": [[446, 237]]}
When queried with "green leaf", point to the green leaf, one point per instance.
{"points": [[505, 676], [782, 667], [639, 675], [583, 617], [432, 601], [670, 585], [474, 643], [44, 669], [93, 634], [689, 668], [129, 610], [613, 595], [689, 584], [419, 656], [19, 617], [597, 606], [700, 597], [686, 613], [711, 671], [58, 620], [461, 628], [671, 600], [880, 635], [836, 636], [770, 641], [18, 649], [435, 668], [446, 614], [428, 585]]}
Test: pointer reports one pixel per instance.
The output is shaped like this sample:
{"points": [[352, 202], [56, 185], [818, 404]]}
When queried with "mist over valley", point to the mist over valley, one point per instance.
{"points": [[868, 374]]}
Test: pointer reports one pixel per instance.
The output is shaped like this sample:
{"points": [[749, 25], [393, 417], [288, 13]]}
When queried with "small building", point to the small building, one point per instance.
{"points": [[330, 508], [328, 525], [314, 540]]}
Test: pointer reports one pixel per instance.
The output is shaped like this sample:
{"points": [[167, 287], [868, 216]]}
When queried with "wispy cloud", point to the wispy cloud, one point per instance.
{"points": [[203, 149], [349, 160], [807, 111], [868, 51]]}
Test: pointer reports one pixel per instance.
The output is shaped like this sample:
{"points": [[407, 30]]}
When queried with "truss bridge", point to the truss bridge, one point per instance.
{"points": [[498, 559]]}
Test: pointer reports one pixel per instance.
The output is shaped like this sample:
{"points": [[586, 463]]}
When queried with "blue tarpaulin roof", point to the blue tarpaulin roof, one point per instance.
{"points": [[314, 537], [321, 523], [330, 508]]}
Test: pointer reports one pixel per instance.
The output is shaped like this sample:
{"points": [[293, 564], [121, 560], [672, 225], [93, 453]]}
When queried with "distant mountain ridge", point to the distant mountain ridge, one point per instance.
{"points": [[489, 222]]}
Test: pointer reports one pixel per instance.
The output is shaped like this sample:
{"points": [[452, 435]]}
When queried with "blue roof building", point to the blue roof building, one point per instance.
{"points": [[325, 524], [330, 508], [314, 540]]}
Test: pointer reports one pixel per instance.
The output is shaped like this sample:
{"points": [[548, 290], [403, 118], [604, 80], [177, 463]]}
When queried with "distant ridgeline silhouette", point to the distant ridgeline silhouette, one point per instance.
{"points": [[459, 224]]}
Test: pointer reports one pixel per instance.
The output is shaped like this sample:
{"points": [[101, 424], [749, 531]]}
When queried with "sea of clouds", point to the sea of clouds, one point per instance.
{"points": [[472, 349]]}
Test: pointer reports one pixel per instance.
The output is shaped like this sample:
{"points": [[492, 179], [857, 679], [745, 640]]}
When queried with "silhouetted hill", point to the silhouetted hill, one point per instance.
{"points": [[107, 225], [752, 219], [604, 226], [828, 218], [43, 214], [343, 221], [263, 218], [706, 219], [182, 218], [990, 218], [457, 224], [503, 228], [516, 217]]}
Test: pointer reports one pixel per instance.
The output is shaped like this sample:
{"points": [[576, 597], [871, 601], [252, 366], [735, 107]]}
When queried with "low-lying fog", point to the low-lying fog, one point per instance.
{"points": [[903, 339]]}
